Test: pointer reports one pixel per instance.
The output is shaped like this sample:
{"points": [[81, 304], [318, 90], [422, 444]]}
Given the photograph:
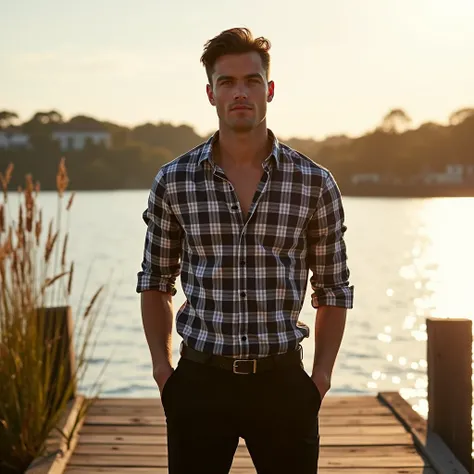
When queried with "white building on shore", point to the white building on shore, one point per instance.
{"points": [[76, 137], [14, 137], [71, 137]]}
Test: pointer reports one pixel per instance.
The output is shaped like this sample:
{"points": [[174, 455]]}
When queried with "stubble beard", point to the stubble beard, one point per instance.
{"points": [[243, 124], [243, 127]]}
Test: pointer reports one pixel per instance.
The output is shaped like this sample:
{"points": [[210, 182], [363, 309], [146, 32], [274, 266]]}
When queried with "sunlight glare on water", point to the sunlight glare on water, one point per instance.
{"points": [[436, 237], [441, 267], [448, 257]]}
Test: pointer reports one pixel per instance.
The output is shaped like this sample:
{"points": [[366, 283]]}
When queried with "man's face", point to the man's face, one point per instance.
{"points": [[240, 91]]}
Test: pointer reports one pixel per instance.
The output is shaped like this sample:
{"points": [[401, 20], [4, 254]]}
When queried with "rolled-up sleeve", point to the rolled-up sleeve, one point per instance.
{"points": [[327, 250], [162, 250]]}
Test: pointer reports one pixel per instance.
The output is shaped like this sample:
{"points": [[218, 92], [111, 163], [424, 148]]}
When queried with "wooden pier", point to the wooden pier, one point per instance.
{"points": [[359, 434], [379, 434]]}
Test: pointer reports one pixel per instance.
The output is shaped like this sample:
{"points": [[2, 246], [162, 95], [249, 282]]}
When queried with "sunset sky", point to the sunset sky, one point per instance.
{"points": [[338, 65]]}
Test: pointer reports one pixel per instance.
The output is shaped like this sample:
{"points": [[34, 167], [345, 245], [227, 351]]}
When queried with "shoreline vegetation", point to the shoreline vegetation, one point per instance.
{"points": [[393, 159], [44, 354]]}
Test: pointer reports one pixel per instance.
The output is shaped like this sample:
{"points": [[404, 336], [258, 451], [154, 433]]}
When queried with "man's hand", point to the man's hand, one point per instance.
{"points": [[161, 376], [322, 380]]}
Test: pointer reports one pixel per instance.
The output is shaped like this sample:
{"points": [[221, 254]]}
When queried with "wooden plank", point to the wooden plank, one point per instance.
{"points": [[147, 470], [160, 421], [429, 443], [161, 450], [329, 400], [330, 410], [56, 462], [341, 440], [352, 462], [342, 461], [324, 430]]}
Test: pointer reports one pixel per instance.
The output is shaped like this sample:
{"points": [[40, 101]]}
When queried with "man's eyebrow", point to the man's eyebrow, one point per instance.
{"points": [[224, 78], [248, 76], [254, 75]]}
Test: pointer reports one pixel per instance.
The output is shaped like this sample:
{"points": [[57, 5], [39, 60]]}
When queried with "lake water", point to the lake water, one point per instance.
{"points": [[409, 259]]}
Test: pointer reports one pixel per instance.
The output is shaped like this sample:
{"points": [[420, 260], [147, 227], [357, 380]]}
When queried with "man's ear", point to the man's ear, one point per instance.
{"points": [[271, 91], [210, 94]]}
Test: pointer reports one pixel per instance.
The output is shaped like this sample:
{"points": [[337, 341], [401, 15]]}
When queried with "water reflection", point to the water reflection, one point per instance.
{"points": [[438, 267], [449, 260]]}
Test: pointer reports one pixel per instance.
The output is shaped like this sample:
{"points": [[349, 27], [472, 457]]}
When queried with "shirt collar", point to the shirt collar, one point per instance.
{"points": [[206, 152]]}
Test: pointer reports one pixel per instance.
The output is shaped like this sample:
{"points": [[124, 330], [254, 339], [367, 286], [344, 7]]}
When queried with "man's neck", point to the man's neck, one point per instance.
{"points": [[243, 149]]}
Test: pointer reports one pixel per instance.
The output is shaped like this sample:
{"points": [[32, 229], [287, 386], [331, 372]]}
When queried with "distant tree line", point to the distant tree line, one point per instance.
{"points": [[393, 148]]}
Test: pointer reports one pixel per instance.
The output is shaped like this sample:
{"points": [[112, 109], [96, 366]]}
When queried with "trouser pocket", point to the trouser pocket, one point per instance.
{"points": [[311, 386], [166, 393]]}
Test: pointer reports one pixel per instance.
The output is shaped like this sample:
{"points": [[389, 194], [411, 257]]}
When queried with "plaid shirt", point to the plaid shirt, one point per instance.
{"points": [[245, 281]]}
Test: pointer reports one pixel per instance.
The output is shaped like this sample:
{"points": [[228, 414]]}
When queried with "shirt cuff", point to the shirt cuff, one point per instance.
{"points": [[343, 297], [147, 282]]}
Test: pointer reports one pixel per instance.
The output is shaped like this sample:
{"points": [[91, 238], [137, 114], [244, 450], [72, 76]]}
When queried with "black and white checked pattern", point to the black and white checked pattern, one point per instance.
{"points": [[245, 282]]}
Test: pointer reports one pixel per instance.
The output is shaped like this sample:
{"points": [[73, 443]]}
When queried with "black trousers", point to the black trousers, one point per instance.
{"points": [[207, 409]]}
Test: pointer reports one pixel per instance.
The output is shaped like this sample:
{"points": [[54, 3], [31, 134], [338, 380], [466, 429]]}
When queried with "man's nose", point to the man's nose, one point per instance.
{"points": [[240, 93]]}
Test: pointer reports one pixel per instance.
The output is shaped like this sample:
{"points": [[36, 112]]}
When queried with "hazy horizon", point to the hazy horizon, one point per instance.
{"points": [[338, 67]]}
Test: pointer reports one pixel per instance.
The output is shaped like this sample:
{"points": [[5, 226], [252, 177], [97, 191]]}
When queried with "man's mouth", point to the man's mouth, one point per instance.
{"points": [[241, 107]]}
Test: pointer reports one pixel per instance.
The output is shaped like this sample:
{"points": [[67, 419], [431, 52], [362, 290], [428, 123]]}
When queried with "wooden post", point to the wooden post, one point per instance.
{"points": [[58, 327], [449, 357]]}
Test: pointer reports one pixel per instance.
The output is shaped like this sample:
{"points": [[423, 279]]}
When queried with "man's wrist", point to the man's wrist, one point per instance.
{"points": [[321, 369], [162, 366], [321, 377]]}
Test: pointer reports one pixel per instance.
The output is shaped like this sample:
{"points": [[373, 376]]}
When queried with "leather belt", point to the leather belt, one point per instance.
{"points": [[244, 366]]}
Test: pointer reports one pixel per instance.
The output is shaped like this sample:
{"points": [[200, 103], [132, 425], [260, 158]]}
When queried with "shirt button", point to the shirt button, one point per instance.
{"points": [[244, 338], [243, 294], [242, 262], [234, 207]]}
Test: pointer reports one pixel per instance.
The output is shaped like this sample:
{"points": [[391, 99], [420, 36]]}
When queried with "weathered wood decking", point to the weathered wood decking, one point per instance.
{"points": [[362, 434]]}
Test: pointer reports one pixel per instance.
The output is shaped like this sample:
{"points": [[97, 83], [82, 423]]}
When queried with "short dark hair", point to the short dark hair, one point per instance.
{"points": [[235, 41]]}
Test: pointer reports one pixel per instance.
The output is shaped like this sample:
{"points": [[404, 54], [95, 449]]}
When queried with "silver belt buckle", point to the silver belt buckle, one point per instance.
{"points": [[235, 364]]}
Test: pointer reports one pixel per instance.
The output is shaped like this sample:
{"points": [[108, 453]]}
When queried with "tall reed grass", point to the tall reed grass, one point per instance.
{"points": [[35, 381]]}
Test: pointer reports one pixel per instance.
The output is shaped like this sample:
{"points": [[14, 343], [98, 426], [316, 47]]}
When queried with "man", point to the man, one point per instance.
{"points": [[243, 218]]}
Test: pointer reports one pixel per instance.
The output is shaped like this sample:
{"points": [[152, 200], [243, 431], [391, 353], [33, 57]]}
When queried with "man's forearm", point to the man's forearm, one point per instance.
{"points": [[157, 317], [329, 330]]}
